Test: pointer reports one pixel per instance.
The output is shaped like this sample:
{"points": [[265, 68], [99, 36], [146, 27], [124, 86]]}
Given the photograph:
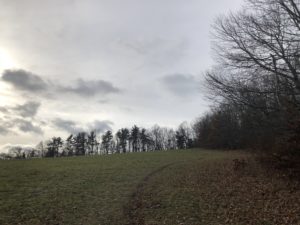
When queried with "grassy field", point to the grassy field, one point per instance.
{"points": [[174, 187]]}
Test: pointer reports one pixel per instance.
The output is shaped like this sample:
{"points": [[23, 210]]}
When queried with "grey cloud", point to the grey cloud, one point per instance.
{"points": [[67, 125], [181, 85], [3, 109], [28, 109], [24, 80], [126, 109], [91, 88], [32, 83], [4, 130], [157, 51], [27, 126], [154, 45], [16, 117], [72, 127], [103, 101], [101, 126], [5, 127]]}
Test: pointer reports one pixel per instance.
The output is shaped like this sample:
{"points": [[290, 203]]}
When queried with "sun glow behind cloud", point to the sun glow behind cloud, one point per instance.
{"points": [[6, 60], [7, 96]]}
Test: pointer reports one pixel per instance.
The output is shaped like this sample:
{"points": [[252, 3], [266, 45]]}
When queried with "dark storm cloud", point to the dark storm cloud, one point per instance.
{"points": [[67, 125], [101, 126], [32, 83], [27, 126], [91, 88], [24, 80], [181, 84], [29, 109]]}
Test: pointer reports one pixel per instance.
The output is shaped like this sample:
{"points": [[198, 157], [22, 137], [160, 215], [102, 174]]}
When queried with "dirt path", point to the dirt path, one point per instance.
{"points": [[134, 210]]}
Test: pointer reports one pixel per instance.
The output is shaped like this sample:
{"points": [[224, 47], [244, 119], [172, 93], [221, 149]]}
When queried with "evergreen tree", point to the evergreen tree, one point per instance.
{"points": [[135, 138], [92, 142], [107, 141]]}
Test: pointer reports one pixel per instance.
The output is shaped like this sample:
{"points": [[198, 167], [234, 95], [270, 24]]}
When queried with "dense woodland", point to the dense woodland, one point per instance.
{"points": [[255, 82]]}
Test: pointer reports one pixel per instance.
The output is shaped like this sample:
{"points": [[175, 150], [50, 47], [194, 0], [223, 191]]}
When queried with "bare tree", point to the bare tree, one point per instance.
{"points": [[256, 79], [258, 52], [17, 151]]}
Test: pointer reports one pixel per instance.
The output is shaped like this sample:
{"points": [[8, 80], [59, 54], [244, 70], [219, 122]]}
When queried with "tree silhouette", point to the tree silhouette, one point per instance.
{"points": [[80, 143], [53, 146], [92, 142], [107, 141], [135, 137], [123, 137], [69, 145], [145, 139]]}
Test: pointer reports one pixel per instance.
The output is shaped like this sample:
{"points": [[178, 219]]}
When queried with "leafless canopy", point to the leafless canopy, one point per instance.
{"points": [[258, 55]]}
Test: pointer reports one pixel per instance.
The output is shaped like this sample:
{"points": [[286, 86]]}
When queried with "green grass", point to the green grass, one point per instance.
{"points": [[197, 187]]}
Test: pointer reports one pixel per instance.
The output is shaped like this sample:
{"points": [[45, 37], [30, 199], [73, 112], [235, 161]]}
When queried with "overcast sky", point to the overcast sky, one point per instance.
{"points": [[72, 65]]}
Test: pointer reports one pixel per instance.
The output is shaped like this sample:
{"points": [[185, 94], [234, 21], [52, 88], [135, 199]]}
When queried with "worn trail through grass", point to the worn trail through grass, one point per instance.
{"points": [[134, 210]]}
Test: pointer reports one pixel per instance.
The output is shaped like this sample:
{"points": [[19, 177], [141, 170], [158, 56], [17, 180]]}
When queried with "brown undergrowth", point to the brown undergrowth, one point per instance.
{"points": [[221, 191]]}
